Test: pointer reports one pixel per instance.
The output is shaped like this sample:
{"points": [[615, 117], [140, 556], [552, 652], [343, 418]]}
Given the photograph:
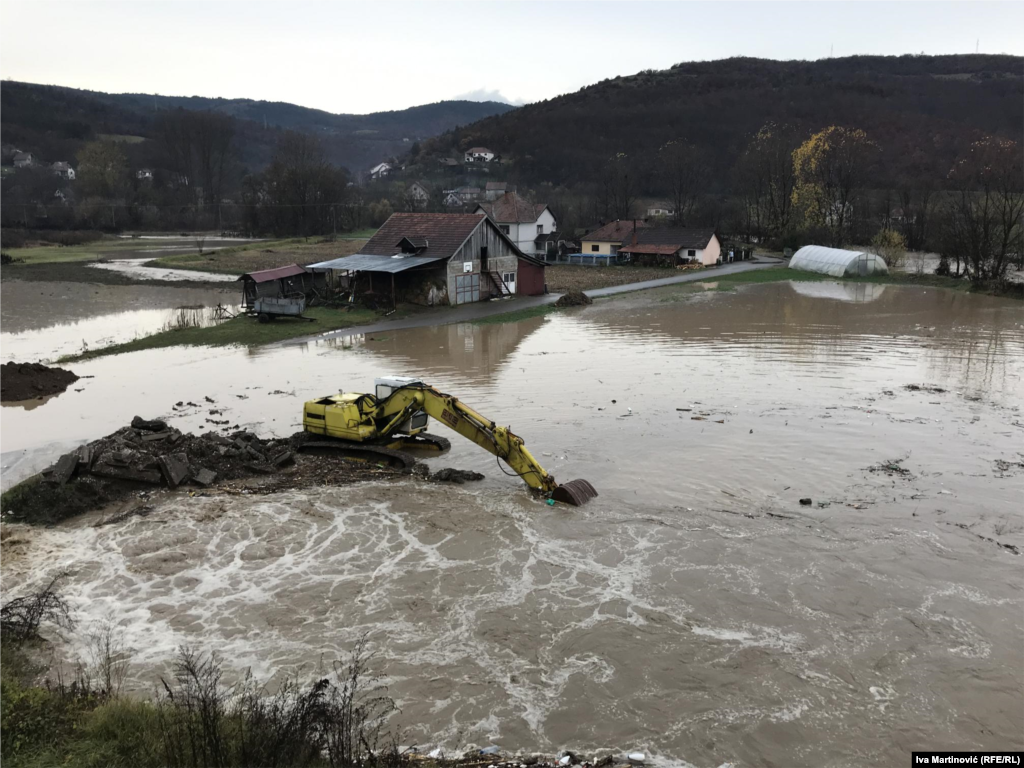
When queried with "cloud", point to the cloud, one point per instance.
{"points": [[482, 94]]}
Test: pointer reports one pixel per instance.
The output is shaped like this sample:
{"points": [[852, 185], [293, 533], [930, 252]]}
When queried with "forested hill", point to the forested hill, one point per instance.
{"points": [[53, 122], [917, 109]]}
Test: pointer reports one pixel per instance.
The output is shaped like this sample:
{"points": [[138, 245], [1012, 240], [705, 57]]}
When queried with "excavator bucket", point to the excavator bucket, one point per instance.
{"points": [[575, 492]]}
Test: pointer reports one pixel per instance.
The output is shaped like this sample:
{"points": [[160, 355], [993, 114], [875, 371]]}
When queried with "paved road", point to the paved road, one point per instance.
{"points": [[467, 313]]}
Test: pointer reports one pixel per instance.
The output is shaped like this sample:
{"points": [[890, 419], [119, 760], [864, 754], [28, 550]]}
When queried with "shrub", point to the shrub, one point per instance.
{"points": [[891, 246]]}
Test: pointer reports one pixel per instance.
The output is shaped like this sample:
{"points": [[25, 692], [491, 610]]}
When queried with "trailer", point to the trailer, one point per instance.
{"points": [[267, 308]]}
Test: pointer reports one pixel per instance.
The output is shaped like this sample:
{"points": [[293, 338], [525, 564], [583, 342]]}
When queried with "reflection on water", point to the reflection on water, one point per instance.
{"points": [[695, 606], [856, 292], [45, 321]]}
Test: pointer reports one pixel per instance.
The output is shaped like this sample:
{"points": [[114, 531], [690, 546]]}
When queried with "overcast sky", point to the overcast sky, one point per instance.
{"points": [[370, 56]]}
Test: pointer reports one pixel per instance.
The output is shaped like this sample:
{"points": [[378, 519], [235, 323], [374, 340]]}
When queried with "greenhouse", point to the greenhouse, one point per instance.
{"points": [[837, 262]]}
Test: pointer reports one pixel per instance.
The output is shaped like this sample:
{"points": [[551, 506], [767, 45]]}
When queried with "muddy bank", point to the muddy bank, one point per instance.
{"points": [[27, 381], [123, 471]]}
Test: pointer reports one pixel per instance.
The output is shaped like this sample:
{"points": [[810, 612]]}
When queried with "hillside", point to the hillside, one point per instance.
{"points": [[917, 109], [53, 122]]}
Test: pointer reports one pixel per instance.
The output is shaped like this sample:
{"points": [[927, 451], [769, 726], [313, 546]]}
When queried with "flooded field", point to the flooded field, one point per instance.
{"points": [[696, 609], [45, 321]]}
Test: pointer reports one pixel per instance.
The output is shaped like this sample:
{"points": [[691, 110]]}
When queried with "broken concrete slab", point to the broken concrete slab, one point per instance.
{"points": [[85, 457], [175, 469], [149, 425], [149, 476], [205, 476], [283, 457], [154, 436], [64, 468]]}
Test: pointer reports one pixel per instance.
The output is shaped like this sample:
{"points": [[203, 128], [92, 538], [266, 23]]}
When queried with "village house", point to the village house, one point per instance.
{"points": [[671, 247], [495, 189], [479, 155], [417, 195], [23, 160], [64, 170], [448, 162], [439, 258], [604, 242], [380, 170], [660, 210], [144, 174], [524, 222]]}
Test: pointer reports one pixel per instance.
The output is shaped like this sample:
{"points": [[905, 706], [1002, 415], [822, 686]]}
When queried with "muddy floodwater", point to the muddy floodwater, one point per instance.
{"points": [[43, 321], [696, 609]]}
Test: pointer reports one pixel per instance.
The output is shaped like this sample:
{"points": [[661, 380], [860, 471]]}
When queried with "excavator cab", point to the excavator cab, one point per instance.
{"points": [[395, 417]]}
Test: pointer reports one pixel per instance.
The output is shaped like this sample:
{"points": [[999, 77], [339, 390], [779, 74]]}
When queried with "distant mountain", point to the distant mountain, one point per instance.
{"points": [[920, 110], [53, 121]]}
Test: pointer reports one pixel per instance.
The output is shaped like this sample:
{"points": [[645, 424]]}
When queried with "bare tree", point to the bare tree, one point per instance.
{"points": [[765, 173], [983, 214], [685, 174]]}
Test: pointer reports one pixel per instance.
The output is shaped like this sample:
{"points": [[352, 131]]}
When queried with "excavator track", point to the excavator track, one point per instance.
{"points": [[370, 454], [424, 441]]}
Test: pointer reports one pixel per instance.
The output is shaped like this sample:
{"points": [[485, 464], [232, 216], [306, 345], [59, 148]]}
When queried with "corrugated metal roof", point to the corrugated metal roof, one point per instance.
{"points": [[366, 262], [266, 275]]}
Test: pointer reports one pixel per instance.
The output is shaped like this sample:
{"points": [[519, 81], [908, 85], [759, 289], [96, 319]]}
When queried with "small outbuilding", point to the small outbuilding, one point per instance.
{"points": [[280, 282], [838, 262]]}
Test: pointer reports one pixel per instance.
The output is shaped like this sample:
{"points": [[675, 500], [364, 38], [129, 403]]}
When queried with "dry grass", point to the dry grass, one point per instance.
{"points": [[266, 255], [563, 277]]}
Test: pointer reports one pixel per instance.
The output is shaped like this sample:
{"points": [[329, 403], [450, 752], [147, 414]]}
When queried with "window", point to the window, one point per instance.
{"points": [[595, 248], [483, 253], [691, 253], [540, 229], [504, 228]]}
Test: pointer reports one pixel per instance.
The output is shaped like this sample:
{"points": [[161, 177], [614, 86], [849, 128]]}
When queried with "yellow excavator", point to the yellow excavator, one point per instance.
{"points": [[383, 425]]}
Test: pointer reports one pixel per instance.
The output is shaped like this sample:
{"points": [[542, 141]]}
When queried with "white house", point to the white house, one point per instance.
{"points": [[495, 189], [23, 160], [524, 222], [144, 174], [64, 170], [656, 210], [479, 155], [380, 170]]}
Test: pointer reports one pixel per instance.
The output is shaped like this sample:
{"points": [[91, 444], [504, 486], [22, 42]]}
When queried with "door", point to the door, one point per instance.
{"points": [[467, 288], [509, 279]]}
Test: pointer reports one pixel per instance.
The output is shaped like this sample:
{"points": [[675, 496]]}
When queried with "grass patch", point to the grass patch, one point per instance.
{"points": [[107, 248], [244, 331], [516, 315]]}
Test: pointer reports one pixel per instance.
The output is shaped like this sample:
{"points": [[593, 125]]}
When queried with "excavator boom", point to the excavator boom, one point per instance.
{"points": [[401, 406]]}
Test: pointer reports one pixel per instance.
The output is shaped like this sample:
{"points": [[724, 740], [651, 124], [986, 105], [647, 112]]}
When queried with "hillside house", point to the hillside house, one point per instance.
{"points": [[417, 195], [524, 222], [23, 160], [603, 243], [495, 189], [671, 247], [144, 174], [64, 170], [380, 170], [479, 155], [660, 210], [439, 258], [448, 162]]}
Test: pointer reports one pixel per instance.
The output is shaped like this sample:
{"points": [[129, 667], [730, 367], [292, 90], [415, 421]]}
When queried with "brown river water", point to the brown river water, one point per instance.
{"points": [[694, 610]]}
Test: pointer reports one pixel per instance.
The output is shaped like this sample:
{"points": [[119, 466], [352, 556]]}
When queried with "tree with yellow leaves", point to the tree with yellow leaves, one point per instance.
{"points": [[828, 169]]}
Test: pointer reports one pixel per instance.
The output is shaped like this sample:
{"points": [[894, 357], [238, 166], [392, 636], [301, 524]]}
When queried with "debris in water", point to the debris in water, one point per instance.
{"points": [[891, 467], [924, 388], [806, 502]]}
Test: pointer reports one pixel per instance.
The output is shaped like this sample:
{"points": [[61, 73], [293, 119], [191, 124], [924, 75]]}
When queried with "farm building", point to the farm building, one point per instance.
{"points": [[837, 262], [280, 282], [440, 258]]}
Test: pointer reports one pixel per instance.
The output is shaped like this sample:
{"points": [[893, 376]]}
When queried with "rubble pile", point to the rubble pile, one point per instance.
{"points": [[149, 455], [573, 298], [27, 381]]}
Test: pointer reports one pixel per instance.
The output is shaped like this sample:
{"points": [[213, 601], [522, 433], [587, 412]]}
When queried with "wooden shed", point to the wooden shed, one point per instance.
{"points": [[279, 282]]}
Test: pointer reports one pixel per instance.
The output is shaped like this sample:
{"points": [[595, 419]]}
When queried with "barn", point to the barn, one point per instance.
{"points": [[440, 258]]}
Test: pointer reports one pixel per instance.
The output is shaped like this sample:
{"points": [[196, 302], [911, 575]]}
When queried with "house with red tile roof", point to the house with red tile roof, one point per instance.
{"points": [[671, 247]]}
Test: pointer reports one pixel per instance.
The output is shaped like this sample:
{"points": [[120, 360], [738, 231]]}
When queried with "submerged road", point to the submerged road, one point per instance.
{"points": [[467, 313]]}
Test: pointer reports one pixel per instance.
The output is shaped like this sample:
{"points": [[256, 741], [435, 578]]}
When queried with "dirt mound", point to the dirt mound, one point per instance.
{"points": [[26, 381], [573, 298]]}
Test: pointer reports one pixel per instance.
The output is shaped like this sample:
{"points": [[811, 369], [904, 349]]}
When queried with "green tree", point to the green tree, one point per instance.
{"points": [[828, 169]]}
